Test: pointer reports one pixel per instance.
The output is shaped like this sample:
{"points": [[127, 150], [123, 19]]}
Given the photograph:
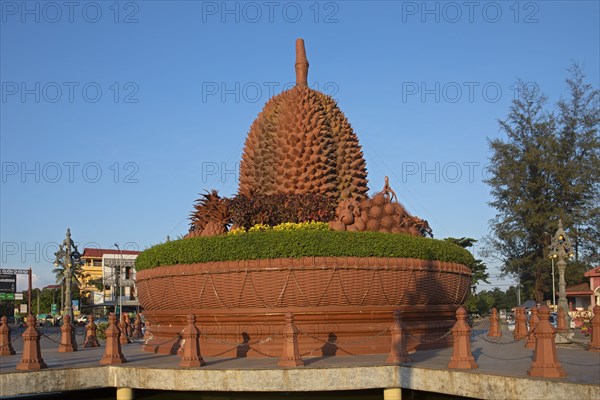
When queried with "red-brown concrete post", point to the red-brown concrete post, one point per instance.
{"points": [[398, 352], [128, 321], [112, 351], [137, 327], [290, 356], [191, 356], [520, 324], [533, 323], [90, 334], [67, 337], [495, 330], [595, 342], [545, 363], [561, 323], [124, 329], [31, 360], [462, 358], [6, 348]]}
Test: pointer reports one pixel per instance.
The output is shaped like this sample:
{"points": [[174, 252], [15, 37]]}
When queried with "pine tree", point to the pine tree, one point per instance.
{"points": [[545, 169]]}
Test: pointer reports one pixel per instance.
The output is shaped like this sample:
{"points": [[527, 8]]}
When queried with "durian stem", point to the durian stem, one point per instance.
{"points": [[301, 64]]}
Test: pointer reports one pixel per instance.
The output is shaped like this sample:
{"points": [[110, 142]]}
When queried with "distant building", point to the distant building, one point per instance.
{"points": [[116, 270], [586, 295], [51, 287]]}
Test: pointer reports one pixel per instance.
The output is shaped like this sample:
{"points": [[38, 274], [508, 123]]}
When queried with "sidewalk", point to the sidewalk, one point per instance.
{"points": [[502, 372]]}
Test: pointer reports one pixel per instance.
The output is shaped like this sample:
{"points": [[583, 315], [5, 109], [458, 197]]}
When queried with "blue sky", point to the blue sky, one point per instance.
{"points": [[114, 116]]}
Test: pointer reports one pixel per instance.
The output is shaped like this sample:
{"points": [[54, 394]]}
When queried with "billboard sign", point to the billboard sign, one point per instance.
{"points": [[8, 283]]}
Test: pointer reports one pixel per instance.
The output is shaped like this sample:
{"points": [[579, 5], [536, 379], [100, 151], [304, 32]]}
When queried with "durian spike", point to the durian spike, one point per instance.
{"points": [[301, 64]]}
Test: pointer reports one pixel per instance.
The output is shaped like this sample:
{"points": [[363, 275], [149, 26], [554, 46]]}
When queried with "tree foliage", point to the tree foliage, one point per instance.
{"points": [[478, 267], [546, 169]]}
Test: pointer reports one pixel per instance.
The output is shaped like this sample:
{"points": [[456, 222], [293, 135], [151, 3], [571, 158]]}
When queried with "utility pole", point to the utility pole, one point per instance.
{"points": [[518, 286]]}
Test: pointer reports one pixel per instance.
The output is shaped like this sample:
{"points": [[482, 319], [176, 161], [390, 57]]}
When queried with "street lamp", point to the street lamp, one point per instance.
{"points": [[552, 256], [68, 257], [560, 248], [119, 281]]}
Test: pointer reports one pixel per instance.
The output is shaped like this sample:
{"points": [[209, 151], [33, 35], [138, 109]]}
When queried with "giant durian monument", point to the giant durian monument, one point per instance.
{"points": [[302, 236]]}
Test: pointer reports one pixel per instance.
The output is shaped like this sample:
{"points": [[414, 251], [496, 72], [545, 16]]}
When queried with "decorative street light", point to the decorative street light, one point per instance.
{"points": [[68, 257], [560, 248], [119, 283], [552, 256]]}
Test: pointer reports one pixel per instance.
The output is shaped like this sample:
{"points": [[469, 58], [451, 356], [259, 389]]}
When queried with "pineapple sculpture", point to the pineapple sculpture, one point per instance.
{"points": [[302, 143], [210, 216]]}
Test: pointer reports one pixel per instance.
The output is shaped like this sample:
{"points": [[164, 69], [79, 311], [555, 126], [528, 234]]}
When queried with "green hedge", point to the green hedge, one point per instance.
{"points": [[302, 243]]}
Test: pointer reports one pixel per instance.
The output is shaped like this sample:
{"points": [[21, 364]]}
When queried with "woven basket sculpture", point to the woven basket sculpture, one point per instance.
{"points": [[301, 143]]}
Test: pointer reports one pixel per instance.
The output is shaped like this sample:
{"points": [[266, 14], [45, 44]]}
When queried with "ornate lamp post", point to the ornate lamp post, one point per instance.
{"points": [[560, 248], [68, 256]]}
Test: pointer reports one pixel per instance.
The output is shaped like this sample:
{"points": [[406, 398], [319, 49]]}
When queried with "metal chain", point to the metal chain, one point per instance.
{"points": [[582, 345], [161, 343], [427, 341], [49, 338], [19, 335], [485, 338], [339, 344], [236, 344]]}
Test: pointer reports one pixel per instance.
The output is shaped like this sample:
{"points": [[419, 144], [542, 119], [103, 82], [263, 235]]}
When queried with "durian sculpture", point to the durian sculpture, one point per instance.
{"points": [[301, 143]]}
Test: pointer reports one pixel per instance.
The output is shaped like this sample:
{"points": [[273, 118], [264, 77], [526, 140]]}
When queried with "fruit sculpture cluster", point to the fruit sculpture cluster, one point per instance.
{"points": [[301, 143]]}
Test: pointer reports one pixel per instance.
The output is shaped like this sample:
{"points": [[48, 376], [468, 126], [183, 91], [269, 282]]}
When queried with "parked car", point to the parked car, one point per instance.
{"points": [[554, 319], [511, 326], [45, 320], [101, 320]]}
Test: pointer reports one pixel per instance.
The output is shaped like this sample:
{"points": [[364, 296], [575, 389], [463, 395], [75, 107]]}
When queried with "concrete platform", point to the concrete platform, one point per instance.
{"points": [[502, 373]]}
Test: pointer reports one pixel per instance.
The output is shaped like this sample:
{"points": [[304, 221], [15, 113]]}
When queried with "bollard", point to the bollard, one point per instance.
{"points": [[32, 356], [67, 337], [124, 329], [290, 355], [561, 323], [398, 352], [595, 342], [137, 327], [6, 348], [495, 330], [112, 351], [545, 363], [533, 322], [90, 334], [191, 356], [462, 358], [520, 324], [128, 325]]}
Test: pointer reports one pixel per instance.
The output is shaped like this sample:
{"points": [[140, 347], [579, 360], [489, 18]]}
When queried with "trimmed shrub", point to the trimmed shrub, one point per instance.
{"points": [[300, 243]]}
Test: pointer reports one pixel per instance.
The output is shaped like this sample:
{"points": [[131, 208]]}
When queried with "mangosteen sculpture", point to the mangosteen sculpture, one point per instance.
{"points": [[301, 151]]}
